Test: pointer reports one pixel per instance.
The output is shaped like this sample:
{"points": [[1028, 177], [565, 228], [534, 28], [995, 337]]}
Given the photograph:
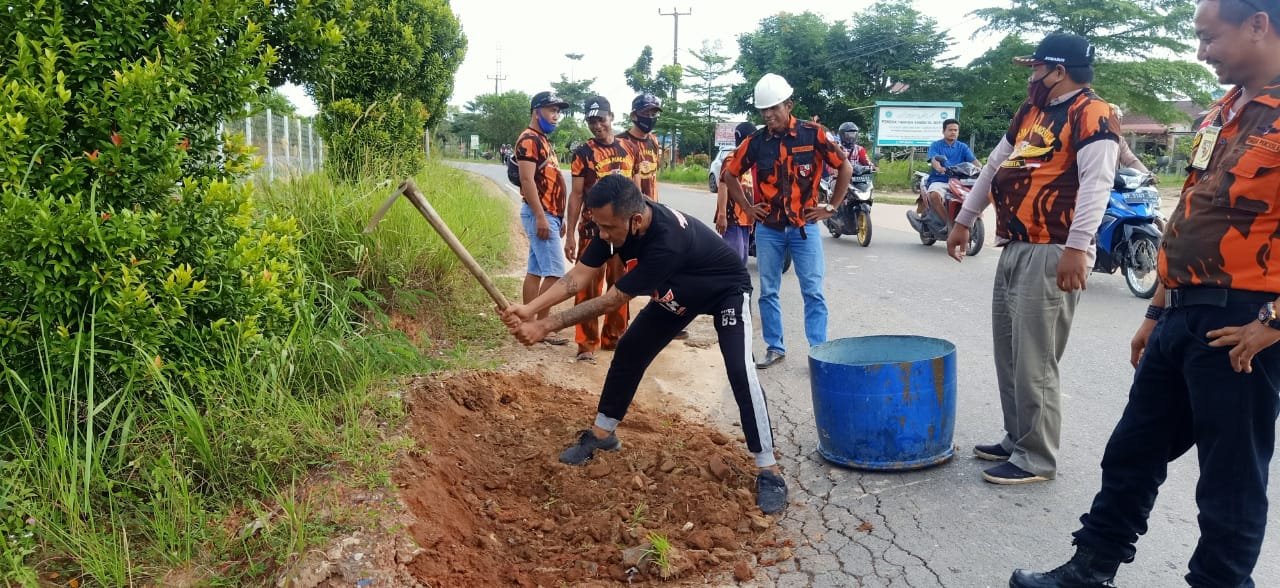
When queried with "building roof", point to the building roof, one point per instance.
{"points": [[1141, 124]]}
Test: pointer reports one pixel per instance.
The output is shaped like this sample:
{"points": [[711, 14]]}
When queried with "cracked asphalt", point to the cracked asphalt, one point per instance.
{"points": [[945, 526]]}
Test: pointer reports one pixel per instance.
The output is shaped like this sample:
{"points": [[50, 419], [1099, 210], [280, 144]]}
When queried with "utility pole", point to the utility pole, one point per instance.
{"points": [[498, 76], [675, 59]]}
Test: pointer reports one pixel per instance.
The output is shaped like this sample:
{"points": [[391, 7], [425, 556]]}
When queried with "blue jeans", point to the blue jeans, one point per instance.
{"points": [[772, 246], [1186, 395]]}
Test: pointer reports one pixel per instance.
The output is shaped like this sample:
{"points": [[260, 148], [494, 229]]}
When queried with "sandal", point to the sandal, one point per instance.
{"points": [[555, 339], [588, 357]]}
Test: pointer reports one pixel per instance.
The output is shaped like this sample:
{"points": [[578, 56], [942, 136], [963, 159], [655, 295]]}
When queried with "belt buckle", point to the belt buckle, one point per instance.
{"points": [[1173, 298]]}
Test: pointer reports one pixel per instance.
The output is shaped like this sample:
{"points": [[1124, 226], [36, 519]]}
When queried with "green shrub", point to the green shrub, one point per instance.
{"points": [[381, 139], [698, 160], [120, 204]]}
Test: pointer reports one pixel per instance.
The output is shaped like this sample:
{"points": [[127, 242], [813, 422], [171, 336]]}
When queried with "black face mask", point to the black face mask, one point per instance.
{"points": [[1038, 91], [646, 123]]}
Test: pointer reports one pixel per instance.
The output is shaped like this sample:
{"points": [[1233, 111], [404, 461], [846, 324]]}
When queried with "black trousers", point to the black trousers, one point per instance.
{"points": [[654, 327], [1185, 394]]}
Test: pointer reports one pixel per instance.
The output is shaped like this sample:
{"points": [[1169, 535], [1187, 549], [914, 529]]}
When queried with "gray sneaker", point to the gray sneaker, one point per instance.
{"points": [[771, 492], [587, 444], [770, 357]]}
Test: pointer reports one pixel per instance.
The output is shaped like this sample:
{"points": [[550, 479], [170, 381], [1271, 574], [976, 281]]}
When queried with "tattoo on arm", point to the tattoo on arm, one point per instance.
{"points": [[589, 309], [570, 285]]}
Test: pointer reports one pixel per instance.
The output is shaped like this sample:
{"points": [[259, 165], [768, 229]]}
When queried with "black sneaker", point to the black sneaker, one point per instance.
{"points": [[1009, 474], [993, 452], [580, 452], [771, 492]]}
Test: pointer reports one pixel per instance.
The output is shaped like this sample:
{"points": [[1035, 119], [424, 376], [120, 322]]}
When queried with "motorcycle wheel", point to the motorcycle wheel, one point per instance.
{"points": [[1142, 280], [864, 229], [976, 234]]}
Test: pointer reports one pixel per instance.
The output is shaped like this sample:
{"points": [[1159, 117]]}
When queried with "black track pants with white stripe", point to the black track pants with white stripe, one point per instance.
{"points": [[654, 328]]}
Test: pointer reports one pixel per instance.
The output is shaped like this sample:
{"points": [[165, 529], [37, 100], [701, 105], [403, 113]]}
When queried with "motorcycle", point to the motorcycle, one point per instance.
{"points": [[854, 214], [1129, 236], [931, 228]]}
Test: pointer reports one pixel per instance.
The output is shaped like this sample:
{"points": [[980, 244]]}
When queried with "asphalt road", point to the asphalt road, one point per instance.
{"points": [[944, 526]]}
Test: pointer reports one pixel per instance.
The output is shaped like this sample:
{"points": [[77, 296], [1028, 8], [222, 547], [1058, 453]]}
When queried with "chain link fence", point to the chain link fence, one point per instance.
{"points": [[287, 145]]}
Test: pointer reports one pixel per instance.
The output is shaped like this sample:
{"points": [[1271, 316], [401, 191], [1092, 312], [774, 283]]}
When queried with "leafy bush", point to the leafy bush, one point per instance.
{"points": [[698, 160]]}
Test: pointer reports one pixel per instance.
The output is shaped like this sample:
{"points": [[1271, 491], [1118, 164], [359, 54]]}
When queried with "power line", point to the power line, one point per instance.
{"points": [[675, 59]]}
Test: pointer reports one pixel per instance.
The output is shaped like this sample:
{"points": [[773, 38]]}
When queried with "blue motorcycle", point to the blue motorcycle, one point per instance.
{"points": [[1129, 236]]}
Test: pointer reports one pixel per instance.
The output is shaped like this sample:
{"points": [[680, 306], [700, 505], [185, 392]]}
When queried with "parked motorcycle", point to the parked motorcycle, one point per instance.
{"points": [[1129, 236], [854, 215], [932, 228]]}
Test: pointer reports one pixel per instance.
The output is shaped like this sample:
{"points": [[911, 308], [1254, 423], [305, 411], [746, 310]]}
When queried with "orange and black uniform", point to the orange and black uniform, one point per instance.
{"points": [[592, 161], [645, 151], [788, 169], [733, 213], [533, 146], [1035, 190], [1217, 258]]}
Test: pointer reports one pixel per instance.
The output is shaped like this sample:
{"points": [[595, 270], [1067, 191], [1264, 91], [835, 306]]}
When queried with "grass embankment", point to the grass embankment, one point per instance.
{"points": [[119, 485]]}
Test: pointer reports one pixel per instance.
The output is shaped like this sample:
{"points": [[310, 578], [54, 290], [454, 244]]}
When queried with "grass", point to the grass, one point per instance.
{"points": [[114, 485], [692, 175], [660, 551]]}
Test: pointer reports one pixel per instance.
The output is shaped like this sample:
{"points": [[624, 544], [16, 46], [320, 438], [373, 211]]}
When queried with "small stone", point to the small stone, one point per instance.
{"points": [[634, 557], [719, 469], [701, 540], [759, 523], [687, 527], [547, 526], [742, 571], [638, 482], [718, 438], [785, 554], [667, 466], [598, 470], [744, 494]]}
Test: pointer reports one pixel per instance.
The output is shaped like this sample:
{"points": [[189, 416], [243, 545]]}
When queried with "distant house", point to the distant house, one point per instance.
{"points": [[1147, 135]]}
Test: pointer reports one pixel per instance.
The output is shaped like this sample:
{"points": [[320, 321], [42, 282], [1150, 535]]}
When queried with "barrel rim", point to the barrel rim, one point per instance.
{"points": [[949, 348]]}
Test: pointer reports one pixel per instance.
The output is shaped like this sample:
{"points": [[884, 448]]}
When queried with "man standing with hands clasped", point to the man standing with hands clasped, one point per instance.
{"points": [[1050, 179], [686, 269], [1208, 367]]}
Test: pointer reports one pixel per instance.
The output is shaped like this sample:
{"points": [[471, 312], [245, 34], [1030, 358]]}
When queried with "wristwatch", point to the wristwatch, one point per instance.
{"points": [[828, 207], [1267, 315]]}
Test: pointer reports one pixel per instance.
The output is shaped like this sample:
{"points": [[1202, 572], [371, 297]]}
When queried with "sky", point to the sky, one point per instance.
{"points": [[532, 39]]}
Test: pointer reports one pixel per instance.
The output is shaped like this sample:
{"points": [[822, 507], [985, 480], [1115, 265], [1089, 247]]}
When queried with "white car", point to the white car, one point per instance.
{"points": [[713, 174]]}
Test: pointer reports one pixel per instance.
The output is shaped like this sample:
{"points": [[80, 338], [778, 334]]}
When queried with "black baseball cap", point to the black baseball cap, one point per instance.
{"points": [[1062, 49], [644, 101], [597, 106], [741, 131], [544, 99]]}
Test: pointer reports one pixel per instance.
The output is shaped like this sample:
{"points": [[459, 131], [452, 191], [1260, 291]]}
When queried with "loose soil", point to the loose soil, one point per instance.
{"points": [[491, 505]]}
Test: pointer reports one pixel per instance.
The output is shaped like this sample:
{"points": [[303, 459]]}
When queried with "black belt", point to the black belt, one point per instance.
{"points": [[1220, 297]]}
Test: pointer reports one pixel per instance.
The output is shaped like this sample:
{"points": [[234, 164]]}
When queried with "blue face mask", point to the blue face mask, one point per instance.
{"points": [[546, 126]]}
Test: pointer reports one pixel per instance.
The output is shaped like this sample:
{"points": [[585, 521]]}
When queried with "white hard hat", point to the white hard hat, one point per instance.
{"points": [[771, 90]]}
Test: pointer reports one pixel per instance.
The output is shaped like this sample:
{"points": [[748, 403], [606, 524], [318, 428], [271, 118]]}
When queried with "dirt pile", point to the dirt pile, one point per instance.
{"points": [[493, 506]]}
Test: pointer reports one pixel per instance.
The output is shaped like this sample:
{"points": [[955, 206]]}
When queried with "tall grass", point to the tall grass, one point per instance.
{"points": [[684, 174], [112, 485]]}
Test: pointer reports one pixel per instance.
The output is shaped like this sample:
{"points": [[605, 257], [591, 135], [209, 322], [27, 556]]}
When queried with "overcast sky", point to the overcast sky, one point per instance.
{"points": [[533, 38]]}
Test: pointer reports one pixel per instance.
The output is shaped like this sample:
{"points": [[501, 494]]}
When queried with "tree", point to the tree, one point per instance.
{"points": [[641, 77], [575, 93], [497, 118], [889, 43], [386, 83], [708, 89], [1126, 34], [991, 88], [303, 34], [791, 45]]}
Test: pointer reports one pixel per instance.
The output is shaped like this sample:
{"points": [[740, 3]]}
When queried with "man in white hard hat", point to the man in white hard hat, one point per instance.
{"points": [[789, 158]]}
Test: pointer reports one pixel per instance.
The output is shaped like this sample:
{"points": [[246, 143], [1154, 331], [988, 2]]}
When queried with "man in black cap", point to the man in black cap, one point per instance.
{"points": [[602, 155], [1050, 179], [1206, 353], [543, 190], [639, 139]]}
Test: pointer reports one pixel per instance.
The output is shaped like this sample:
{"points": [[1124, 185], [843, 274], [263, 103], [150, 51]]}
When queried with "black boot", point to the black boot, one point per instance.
{"points": [[1087, 569]]}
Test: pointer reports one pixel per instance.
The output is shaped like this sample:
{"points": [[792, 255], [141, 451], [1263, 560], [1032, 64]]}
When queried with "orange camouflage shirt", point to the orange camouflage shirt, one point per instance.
{"points": [[1034, 190], [646, 153], [533, 146], [1225, 231], [592, 161], [734, 213], [787, 169]]}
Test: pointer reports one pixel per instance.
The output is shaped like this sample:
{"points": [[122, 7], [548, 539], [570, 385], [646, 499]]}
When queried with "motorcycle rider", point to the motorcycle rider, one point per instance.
{"points": [[943, 153], [848, 133]]}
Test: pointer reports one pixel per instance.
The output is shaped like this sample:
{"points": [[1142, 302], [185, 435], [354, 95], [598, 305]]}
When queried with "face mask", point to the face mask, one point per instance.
{"points": [[1038, 92], [628, 237], [645, 123], [546, 126]]}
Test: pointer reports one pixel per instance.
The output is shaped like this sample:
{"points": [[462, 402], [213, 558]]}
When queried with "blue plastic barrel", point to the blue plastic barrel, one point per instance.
{"points": [[884, 402]]}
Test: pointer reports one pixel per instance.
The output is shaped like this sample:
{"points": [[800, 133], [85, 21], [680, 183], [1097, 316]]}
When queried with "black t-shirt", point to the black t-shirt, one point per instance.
{"points": [[679, 261]]}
